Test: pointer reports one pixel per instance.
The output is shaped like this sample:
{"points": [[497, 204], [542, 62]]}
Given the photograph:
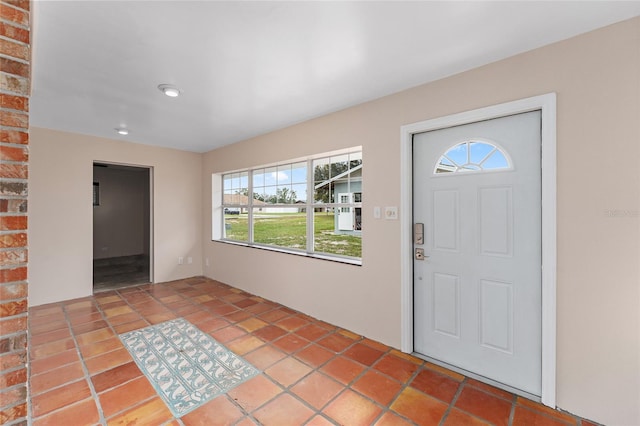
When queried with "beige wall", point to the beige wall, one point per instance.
{"points": [[597, 80], [61, 212]]}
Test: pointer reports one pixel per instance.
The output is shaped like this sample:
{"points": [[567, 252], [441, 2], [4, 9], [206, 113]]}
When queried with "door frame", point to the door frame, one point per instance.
{"points": [[547, 105]]}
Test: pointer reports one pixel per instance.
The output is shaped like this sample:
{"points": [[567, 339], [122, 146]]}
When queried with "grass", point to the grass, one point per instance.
{"points": [[290, 229]]}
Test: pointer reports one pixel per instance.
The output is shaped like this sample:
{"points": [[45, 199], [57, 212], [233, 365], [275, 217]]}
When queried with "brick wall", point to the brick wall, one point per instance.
{"points": [[15, 55]]}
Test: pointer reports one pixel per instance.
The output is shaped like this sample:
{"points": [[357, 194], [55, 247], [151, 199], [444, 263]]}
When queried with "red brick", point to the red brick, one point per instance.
{"points": [[13, 325], [20, 103], [14, 15], [14, 171], [13, 205], [13, 396], [14, 413], [14, 67], [13, 274], [20, 4], [13, 257], [13, 240], [13, 223], [13, 378], [13, 32], [10, 153], [13, 308], [10, 361], [14, 50], [13, 291], [14, 84], [14, 136], [14, 119]]}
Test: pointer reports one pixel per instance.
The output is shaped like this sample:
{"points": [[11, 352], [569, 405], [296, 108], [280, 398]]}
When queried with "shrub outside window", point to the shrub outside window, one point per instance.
{"points": [[311, 207]]}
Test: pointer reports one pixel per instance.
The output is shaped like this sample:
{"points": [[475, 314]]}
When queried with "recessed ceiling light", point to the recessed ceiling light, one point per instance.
{"points": [[169, 90], [122, 131]]}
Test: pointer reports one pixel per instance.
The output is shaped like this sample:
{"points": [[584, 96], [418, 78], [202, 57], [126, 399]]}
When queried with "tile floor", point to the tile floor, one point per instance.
{"points": [[313, 373]]}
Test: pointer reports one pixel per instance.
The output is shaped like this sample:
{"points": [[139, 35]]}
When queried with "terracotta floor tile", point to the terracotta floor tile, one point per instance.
{"points": [[152, 412], [335, 342], [457, 418], [85, 317], [107, 361], [217, 412], [378, 387], [535, 406], [349, 334], [291, 343], [319, 421], [491, 389], [79, 414], [435, 384], [317, 389], [283, 411], [160, 317], [398, 368], [53, 378], [115, 376], [130, 326], [60, 397], [259, 308], [48, 349], [238, 316], [227, 334], [212, 324], [270, 333], [94, 336], [120, 310], [265, 357], [255, 392], [312, 332], [126, 318], [46, 326], [51, 336], [419, 407], [274, 315], [288, 371], [245, 344], [455, 376], [252, 324], [116, 399], [292, 323], [101, 347], [89, 326], [376, 345], [315, 355], [351, 409], [198, 317], [484, 405], [223, 309], [58, 360], [245, 303], [363, 354], [343, 370], [392, 419], [526, 417]]}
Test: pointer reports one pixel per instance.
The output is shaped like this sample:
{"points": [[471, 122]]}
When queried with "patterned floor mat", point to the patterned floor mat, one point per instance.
{"points": [[186, 366]]}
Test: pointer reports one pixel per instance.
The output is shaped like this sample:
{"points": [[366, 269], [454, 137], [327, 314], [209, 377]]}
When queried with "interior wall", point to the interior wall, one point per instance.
{"points": [[61, 219], [121, 221], [597, 80]]}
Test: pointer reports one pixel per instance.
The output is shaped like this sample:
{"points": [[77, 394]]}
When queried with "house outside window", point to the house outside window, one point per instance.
{"points": [[311, 207]]}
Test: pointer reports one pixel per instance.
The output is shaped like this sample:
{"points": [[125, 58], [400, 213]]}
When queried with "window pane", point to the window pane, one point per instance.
{"points": [[270, 176], [285, 195], [339, 165], [479, 151], [299, 173], [355, 159], [258, 178], [280, 226], [236, 225], [300, 192], [321, 181], [329, 239]]}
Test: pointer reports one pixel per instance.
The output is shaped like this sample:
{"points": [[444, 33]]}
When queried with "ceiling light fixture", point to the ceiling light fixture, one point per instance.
{"points": [[169, 90], [122, 131]]}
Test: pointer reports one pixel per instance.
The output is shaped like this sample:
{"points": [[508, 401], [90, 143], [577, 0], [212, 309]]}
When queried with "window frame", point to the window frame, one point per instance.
{"points": [[310, 205]]}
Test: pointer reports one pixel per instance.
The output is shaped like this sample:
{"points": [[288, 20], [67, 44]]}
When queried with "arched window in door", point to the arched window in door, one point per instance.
{"points": [[473, 156]]}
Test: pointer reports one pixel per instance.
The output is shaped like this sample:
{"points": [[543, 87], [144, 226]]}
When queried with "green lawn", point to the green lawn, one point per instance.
{"points": [[289, 230]]}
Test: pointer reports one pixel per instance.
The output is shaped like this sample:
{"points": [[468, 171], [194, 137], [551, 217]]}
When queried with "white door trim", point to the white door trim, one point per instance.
{"points": [[547, 104]]}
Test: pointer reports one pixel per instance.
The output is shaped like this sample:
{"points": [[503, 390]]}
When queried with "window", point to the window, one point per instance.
{"points": [[311, 207], [472, 156]]}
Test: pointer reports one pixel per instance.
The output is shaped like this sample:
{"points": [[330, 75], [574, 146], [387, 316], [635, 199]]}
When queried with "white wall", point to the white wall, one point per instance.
{"points": [[61, 212], [597, 80]]}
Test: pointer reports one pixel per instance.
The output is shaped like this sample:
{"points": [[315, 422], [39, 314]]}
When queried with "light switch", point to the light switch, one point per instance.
{"points": [[376, 212]]}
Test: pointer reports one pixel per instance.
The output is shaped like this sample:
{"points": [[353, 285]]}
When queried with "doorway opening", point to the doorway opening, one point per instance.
{"points": [[121, 226]]}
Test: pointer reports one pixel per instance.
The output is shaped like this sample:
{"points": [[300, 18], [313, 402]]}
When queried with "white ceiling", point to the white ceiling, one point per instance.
{"points": [[247, 68]]}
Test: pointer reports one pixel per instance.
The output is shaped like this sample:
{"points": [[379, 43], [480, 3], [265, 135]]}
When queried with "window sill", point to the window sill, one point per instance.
{"points": [[321, 256]]}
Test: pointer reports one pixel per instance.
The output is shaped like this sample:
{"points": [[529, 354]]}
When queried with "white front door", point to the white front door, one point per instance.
{"points": [[477, 292], [345, 215]]}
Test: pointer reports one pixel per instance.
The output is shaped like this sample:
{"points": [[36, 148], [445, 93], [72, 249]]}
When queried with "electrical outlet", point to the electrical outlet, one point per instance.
{"points": [[180, 260], [391, 213]]}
